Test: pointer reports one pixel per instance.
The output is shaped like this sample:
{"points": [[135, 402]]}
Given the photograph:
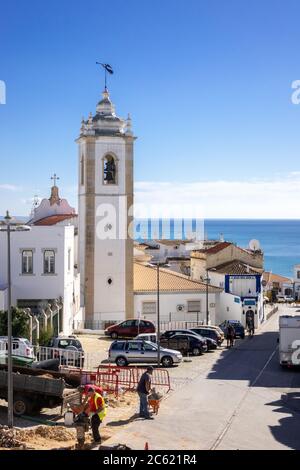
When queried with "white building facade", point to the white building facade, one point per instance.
{"points": [[42, 271]]}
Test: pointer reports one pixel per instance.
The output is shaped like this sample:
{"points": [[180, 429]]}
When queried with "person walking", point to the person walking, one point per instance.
{"points": [[97, 412], [230, 334], [143, 389]]}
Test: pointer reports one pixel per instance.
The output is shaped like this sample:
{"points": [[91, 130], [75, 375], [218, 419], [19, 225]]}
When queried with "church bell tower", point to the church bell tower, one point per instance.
{"points": [[105, 188]]}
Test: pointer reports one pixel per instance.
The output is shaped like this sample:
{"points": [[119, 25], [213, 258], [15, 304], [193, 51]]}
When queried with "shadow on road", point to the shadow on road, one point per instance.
{"points": [[287, 432], [248, 361]]}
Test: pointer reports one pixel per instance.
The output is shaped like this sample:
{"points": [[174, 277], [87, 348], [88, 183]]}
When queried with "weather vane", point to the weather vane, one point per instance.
{"points": [[107, 68]]}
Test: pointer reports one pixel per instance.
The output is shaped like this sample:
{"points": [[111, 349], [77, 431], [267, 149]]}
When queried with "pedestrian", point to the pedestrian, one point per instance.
{"points": [[97, 412], [230, 333], [143, 389]]}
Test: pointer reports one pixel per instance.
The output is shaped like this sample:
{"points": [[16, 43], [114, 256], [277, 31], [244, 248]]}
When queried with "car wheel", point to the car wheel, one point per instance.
{"points": [[114, 335], [196, 351], [167, 361], [121, 362], [242, 336], [21, 406]]}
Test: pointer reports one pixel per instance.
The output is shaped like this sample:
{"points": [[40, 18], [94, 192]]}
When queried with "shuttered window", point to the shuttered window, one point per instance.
{"points": [[194, 306]]}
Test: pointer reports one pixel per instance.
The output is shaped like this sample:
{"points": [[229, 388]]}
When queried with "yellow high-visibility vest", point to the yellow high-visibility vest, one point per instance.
{"points": [[102, 413]]}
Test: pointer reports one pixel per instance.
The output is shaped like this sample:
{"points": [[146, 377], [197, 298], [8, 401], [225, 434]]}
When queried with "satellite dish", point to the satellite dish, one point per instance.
{"points": [[254, 245]]}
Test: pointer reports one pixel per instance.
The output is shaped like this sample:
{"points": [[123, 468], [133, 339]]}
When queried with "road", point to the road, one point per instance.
{"points": [[243, 400]]}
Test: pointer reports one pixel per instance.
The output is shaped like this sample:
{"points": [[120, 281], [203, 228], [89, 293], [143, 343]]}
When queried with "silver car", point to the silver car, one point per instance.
{"points": [[136, 351]]}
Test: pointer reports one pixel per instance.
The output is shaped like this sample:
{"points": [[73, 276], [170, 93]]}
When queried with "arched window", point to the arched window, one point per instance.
{"points": [[82, 170], [109, 170]]}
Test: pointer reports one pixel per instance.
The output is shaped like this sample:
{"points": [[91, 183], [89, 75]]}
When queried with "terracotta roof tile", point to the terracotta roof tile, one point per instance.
{"points": [[145, 280], [54, 219]]}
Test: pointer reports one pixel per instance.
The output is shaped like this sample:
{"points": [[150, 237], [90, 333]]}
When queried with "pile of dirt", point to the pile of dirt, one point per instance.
{"points": [[9, 438], [55, 433]]}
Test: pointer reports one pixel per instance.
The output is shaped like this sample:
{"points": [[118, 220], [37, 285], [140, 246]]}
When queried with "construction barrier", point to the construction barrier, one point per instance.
{"points": [[127, 378]]}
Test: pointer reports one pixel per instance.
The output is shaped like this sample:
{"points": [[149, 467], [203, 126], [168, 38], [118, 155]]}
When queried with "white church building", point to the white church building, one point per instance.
{"points": [[43, 262]]}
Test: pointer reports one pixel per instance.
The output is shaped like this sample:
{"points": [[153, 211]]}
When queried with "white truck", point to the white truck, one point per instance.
{"points": [[289, 340]]}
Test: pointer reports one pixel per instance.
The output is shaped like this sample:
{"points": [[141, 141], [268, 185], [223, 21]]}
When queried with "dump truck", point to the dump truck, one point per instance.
{"points": [[289, 340], [34, 392]]}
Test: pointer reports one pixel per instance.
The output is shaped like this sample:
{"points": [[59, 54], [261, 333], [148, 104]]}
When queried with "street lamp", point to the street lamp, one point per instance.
{"points": [[207, 280], [9, 228], [157, 265]]}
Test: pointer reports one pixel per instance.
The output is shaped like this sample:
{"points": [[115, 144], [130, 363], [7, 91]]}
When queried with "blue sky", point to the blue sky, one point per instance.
{"points": [[207, 82]]}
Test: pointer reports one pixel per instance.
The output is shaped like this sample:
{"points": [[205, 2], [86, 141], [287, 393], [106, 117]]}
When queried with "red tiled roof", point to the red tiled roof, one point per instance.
{"points": [[219, 247], [236, 267], [54, 219]]}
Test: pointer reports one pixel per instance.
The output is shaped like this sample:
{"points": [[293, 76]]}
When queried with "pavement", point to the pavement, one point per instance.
{"points": [[240, 399]]}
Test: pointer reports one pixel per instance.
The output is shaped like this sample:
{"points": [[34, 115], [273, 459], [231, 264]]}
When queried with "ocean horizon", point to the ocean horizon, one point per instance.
{"points": [[279, 238]]}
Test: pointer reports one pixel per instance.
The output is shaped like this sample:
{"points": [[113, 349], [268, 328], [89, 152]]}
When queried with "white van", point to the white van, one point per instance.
{"points": [[147, 337], [289, 340], [20, 347]]}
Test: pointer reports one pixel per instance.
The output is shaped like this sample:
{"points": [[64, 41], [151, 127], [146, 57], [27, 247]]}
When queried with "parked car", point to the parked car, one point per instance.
{"points": [[68, 349], [289, 298], [21, 347], [280, 299], [238, 328], [214, 327], [186, 343], [152, 337], [169, 333], [129, 329], [125, 352], [210, 333]]}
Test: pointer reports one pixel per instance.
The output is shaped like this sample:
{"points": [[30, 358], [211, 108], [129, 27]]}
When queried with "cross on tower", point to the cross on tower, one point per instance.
{"points": [[55, 178]]}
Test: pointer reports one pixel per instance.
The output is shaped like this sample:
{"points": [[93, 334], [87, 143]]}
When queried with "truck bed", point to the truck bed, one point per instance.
{"points": [[37, 384]]}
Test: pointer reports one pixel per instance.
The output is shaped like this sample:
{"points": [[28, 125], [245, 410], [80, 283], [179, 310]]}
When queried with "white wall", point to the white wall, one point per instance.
{"points": [[38, 286], [169, 302], [229, 309]]}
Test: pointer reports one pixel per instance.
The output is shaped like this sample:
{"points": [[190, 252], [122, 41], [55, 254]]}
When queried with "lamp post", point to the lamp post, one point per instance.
{"points": [[207, 280], [158, 316], [9, 228]]}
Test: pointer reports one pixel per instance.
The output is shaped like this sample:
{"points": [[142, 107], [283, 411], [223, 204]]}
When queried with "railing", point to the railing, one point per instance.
{"points": [[64, 356]]}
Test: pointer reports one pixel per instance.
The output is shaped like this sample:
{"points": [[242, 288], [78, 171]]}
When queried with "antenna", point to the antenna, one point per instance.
{"points": [[254, 245]]}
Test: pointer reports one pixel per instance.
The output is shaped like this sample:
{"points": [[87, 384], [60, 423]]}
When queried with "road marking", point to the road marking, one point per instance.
{"points": [[223, 433]]}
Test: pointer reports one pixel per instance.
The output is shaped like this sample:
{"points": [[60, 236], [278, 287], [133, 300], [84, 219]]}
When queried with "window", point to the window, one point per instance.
{"points": [[118, 346], [149, 308], [128, 323], [69, 259], [149, 347], [82, 170], [49, 262], [194, 306], [298, 274], [109, 170], [27, 262], [134, 346]]}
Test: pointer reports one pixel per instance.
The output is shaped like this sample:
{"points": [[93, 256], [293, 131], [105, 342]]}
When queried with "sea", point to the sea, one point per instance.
{"points": [[279, 239]]}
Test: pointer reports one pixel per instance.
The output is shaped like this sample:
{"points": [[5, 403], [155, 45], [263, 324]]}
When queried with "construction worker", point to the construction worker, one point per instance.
{"points": [[143, 389], [97, 412]]}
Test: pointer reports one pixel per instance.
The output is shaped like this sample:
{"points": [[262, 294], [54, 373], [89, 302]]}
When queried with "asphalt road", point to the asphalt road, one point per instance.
{"points": [[243, 400]]}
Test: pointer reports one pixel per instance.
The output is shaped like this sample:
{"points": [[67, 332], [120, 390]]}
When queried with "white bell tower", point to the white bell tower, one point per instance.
{"points": [[105, 191]]}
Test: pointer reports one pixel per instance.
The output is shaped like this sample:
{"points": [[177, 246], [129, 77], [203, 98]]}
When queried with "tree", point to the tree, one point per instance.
{"points": [[20, 326], [45, 336]]}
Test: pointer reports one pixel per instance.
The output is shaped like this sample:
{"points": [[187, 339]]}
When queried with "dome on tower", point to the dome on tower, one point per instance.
{"points": [[105, 121]]}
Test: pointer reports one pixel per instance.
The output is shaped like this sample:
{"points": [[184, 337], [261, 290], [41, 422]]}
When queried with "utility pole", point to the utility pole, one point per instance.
{"points": [[158, 317], [10, 389], [9, 228]]}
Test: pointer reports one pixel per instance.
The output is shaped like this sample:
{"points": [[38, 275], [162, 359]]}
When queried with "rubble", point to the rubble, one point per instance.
{"points": [[8, 438]]}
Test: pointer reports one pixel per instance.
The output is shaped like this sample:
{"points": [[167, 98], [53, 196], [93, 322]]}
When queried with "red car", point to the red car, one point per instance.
{"points": [[129, 329]]}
